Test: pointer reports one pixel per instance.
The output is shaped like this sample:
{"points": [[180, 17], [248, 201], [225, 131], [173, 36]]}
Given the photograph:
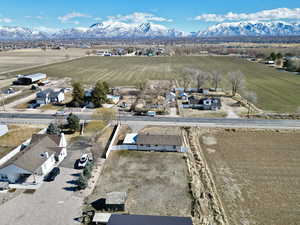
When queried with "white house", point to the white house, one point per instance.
{"points": [[3, 129], [152, 142], [113, 98], [37, 159], [170, 97], [47, 96]]}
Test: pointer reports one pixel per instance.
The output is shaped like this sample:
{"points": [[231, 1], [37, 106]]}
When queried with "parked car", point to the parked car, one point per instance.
{"points": [[51, 176], [83, 161]]}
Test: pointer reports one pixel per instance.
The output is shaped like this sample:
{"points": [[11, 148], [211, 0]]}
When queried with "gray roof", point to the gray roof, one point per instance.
{"points": [[115, 198], [43, 94], [118, 219], [31, 158], [35, 77], [168, 140]]}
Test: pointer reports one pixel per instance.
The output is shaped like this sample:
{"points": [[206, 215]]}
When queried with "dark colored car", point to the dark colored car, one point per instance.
{"points": [[51, 176]]}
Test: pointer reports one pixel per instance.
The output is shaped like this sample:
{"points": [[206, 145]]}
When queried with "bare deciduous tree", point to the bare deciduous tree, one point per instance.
{"points": [[192, 74], [187, 77], [202, 78], [216, 79], [237, 81]]}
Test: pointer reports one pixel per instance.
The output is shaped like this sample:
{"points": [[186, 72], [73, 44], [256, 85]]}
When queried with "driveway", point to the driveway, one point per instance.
{"points": [[54, 203]]}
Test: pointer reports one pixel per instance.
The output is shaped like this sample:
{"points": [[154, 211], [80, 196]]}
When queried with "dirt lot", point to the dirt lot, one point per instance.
{"points": [[156, 183], [256, 174]]}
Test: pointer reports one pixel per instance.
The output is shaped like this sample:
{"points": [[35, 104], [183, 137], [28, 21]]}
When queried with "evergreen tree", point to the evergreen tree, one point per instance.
{"points": [[106, 87], [82, 182], [99, 94], [78, 94], [53, 129], [73, 123]]}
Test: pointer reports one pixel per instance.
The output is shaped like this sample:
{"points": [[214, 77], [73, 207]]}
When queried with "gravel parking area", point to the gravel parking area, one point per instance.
{"points": [[54, 203]]}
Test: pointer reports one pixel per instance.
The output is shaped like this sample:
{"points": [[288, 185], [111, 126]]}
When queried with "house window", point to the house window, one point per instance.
{"points": [[174, 146], [3, 177]]}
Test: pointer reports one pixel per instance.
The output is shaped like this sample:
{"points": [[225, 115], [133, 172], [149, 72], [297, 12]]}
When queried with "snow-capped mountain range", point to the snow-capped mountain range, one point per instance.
{"points": [[110, 29], [249, 28]]}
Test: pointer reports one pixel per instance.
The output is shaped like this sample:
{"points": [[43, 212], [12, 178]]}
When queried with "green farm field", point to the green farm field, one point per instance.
{"points": [[276, 91]]}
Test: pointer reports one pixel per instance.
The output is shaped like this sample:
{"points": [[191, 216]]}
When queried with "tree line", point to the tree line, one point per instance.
{"points": [[236, 80]]}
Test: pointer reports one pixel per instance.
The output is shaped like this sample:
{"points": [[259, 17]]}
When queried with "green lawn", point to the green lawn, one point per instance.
{"points": [[276, 91]]}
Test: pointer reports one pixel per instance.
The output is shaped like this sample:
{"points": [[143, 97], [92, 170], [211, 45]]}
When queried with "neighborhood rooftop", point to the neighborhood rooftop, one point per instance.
{"points": [[118, 219], [31, 158], [149, 139]]}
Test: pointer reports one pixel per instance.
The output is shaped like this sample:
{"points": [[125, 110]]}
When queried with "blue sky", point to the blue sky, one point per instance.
{"points": [[187, 15]]}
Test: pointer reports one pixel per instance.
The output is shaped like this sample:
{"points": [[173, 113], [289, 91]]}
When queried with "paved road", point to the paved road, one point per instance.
{"points": [[53, 203], [167, 121]]}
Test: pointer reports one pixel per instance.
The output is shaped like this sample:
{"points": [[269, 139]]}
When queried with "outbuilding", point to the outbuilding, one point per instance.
{"points": [[30, 79]]}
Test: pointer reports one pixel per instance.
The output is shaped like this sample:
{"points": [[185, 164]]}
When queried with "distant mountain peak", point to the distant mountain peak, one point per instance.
{"points": [[252, 28], [144, 27]]}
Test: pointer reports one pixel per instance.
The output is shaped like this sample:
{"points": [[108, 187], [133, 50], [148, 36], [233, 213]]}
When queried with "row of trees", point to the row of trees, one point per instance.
{"points": [[98, 95], [215, 79]]}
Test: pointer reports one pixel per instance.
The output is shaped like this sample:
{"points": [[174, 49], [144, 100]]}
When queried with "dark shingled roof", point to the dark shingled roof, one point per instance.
{"points": [[117, 219], [31, 158], [167, 140]]}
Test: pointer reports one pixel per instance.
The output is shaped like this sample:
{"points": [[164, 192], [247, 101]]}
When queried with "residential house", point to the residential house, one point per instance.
{"points": [[183, 96], [36, 160], [113, 98], [126, 219], [170, 97], [3, 129], [152, 142], [204, 103], [49, 96]]}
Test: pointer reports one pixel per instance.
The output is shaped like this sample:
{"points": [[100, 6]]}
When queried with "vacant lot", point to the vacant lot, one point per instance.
{"points": [[18, 59], [256, 174], [16, 136], [156, 183], [276, 91]]}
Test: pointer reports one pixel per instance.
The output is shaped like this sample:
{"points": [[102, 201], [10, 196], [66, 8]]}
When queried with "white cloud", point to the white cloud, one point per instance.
{"points": [[5, 20], [138, 17], [68, 17], [273, 14], [35, 17]]}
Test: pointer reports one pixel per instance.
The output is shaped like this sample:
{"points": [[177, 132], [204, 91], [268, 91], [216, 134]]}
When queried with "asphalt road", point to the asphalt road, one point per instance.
{"points": [[167, 121]]}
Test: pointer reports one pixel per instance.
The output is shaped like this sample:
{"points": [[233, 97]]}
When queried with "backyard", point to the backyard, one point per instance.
{"points": [[156, 183]]}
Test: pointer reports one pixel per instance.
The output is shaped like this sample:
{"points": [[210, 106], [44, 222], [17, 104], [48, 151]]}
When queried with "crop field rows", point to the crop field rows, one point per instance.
{"points": [[275, 90]]}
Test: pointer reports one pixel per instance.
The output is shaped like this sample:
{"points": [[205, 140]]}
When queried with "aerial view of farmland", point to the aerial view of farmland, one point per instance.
{"points": [[271, 86]]}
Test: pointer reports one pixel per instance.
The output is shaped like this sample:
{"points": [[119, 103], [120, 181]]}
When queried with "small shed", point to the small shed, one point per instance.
{"points": [[115, 201], [130, 139], [101, 218]]}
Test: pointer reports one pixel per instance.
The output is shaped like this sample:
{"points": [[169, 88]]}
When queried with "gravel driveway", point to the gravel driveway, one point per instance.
{"points": [[54, 203]]}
